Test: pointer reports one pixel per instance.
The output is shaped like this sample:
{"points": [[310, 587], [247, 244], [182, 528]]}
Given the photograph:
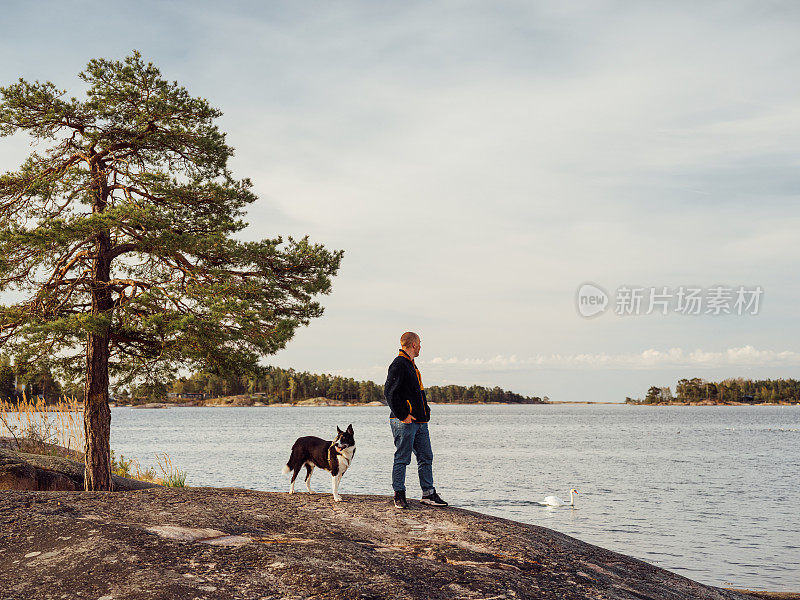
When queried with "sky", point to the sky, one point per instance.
{"points": [[479, 162]]}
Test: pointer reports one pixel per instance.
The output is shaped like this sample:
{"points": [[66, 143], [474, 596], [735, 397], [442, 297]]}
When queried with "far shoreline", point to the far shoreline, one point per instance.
{"points": [[706, 403], [377, 404], [305, 404]]}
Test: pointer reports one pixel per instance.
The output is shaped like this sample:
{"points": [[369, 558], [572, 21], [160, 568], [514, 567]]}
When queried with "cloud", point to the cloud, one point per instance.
{"points": [[478, 161], [745, 356]]}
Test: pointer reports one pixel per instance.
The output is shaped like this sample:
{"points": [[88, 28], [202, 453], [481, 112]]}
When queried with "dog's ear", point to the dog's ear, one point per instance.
{"points": [[350, 429], [339, 431]]}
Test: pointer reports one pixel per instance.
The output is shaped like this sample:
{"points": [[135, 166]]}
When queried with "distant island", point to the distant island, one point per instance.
{"points": [[270, 386], [277, 386], [735, 392]]}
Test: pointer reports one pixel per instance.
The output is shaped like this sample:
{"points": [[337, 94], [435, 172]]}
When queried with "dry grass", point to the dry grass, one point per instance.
{"points": [[170, 476], [56, 429], [40, 428]]}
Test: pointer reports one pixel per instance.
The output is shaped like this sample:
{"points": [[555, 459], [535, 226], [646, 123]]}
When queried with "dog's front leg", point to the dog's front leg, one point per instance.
{"points": [[335, 483]]}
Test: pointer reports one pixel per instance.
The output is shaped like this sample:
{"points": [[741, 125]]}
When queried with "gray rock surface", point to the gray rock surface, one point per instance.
{"points": [[21, 471], [230, 543]]}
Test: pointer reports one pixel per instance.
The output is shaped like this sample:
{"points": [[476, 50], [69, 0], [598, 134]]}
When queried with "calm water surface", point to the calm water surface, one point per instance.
{"points": [[711, 493]]}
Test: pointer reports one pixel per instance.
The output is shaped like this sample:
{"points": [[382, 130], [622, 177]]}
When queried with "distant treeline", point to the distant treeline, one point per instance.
{"points": [[288, 385], [459, 394], [16, 381], [729, 390], [274, 384]]}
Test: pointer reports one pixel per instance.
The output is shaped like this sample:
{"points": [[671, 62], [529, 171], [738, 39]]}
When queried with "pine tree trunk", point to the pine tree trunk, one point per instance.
{"points": [[97, 416], [96, 413]]}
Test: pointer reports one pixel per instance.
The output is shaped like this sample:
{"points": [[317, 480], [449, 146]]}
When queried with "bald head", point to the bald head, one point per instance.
{"points": [[408, 338], [411, 343]]}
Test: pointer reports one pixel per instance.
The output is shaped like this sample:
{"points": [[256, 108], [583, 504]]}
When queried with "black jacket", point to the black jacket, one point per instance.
{"points": [[404, 391]]}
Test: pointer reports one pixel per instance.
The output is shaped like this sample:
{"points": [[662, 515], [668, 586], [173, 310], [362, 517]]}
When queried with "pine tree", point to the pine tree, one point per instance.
{"points": [[7, 383], [120, 233]]}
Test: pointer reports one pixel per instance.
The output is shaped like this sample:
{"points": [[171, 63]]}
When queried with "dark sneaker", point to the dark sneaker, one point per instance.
{"points": [[433, 499], [400, 500]]}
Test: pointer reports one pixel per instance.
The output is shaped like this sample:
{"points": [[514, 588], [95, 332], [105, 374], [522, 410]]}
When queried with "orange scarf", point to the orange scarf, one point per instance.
{"points": [[419, 375]]}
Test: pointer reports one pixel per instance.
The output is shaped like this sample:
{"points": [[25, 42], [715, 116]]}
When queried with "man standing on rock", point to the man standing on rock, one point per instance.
{"points": [[405, 395]]}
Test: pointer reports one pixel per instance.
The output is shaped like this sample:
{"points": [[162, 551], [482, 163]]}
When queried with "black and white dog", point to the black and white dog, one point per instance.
{"points": [[334, 456]]}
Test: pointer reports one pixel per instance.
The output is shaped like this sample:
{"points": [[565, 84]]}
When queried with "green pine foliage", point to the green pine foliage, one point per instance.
{"points": [[280, 385], [120, 234], [285, 385], [459, 394], [8, 379], [737, 390], [123, 224]]}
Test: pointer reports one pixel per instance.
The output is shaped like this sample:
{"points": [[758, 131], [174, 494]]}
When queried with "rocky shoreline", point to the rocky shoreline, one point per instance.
{"points": [[23, 471], [146, 541], [243, 401], [210, 543], [710, 403], [236, 402]]}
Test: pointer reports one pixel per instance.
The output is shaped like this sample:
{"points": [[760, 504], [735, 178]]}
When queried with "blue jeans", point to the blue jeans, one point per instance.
{"points": [[408, 438]]}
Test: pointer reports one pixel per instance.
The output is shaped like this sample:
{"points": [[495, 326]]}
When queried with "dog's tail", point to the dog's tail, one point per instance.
{"points": [[286, 469]]}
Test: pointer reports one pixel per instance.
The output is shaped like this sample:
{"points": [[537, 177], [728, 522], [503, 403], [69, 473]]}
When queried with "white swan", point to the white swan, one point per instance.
{"points": [[556, 501]]}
